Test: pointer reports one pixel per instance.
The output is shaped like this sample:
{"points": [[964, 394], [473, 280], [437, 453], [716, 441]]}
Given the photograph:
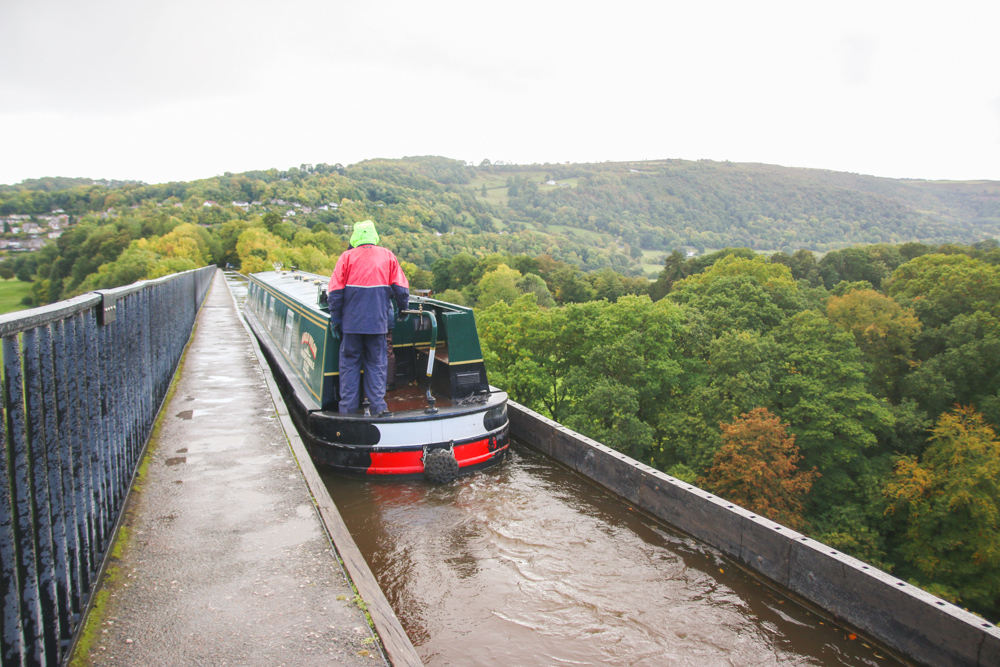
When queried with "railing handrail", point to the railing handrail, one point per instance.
{"points": [[22, 320]]}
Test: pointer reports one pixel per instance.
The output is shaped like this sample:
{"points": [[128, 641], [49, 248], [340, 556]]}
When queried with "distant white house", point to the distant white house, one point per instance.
{"points": [[54, 235], [209, 203], [550, 182], [242, 204]]}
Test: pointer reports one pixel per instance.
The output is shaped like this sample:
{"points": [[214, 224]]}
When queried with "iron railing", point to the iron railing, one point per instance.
{"points": [[83, 380]]}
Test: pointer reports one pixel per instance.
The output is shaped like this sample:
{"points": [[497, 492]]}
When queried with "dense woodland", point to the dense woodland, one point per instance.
{"points": [[591, 216], [850, 391], [856, 398]]}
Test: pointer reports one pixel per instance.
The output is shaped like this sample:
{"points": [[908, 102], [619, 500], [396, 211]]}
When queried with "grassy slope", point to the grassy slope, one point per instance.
{"points": [[11, 293]]}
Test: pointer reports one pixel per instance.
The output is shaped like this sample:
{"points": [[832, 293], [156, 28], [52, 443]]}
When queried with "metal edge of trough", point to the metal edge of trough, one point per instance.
{"points": [[915, 623], [398, 647]]}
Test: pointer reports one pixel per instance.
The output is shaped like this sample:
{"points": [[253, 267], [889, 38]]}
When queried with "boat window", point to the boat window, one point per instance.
{"points": [[270, 311], [289, 331]]}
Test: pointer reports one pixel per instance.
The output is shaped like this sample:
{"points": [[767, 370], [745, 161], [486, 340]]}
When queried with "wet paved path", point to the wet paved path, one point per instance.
{"points": [[226, 561]]}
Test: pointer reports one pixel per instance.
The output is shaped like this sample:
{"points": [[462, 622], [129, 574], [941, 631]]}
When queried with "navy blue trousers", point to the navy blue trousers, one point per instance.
{"points": [[369, 351]]}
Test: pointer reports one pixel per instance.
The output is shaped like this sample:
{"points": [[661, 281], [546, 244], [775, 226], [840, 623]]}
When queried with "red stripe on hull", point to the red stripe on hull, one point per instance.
{"points": [[409, 463], [396, 463], [473, 453]]}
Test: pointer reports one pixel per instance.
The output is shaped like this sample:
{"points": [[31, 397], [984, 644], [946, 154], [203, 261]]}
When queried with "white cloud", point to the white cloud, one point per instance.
{"points": [[188, 89]]}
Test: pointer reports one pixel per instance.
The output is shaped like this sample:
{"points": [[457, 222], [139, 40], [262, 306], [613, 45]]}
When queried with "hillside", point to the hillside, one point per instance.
{"points": [[624, 216], [664, 204]]}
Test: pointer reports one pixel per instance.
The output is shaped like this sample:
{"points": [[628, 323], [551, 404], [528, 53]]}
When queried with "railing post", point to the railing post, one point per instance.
{"points": [[57, 505], [11, 632], [82, 486], [24, 528], [66, 435], [41, 505]]}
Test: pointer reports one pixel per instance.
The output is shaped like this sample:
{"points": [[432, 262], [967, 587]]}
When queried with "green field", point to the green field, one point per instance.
{"points": [[565, 230], [496, 184], [652, 262], [11, 293], [571, 182]]}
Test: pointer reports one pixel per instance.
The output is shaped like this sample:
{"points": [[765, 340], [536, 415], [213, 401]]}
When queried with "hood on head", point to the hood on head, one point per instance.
{"points": [[364, 232]]}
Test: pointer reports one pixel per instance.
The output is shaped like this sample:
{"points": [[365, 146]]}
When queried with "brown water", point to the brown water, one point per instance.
{"points": [[529, 564]]}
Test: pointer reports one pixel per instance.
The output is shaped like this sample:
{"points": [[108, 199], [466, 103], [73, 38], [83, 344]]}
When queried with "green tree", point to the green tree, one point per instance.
{"points": [[949, 505], [270, 220], [532, 283], [571, 286], [608, 285], [941, 287], [525, 351], [460, 270], [607, 413], [871, 263], [499, 285], [451, 296], [821, 393], [674, 269], [883, 330], [967, 370]]}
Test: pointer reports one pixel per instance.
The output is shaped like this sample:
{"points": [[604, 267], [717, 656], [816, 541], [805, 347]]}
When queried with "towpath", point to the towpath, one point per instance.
{"points": [[224, 559]]}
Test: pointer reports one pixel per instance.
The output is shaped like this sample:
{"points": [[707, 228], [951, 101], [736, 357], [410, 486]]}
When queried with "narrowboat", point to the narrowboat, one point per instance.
{"points": [[443, 418]]}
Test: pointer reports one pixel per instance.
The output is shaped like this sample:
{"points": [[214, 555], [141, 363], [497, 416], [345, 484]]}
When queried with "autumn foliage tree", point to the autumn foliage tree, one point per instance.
{"points": [[883, 330], [756, 468], [949, 504]]}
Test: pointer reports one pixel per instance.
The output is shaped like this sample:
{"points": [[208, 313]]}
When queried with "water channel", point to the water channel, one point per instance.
{"points": [[530, 564]]}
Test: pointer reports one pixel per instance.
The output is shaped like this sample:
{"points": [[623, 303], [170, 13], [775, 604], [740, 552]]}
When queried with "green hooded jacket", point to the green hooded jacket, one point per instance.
{"points": [[364, 232]]}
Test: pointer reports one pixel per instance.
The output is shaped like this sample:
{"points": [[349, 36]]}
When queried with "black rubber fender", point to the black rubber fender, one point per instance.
{"points": [[440, 466]]}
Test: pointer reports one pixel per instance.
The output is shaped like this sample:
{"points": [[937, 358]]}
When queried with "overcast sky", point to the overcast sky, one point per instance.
{"points": [[187, 89]]}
